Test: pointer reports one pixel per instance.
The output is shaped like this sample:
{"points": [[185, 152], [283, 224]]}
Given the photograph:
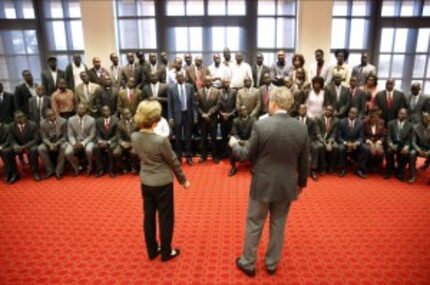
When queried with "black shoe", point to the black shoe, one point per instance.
{"points": [[314, 176], [400, 177], [361, 174], [322, 173], [100, 173], [412, 180], [175, 253], [59, 176], [331, 170], [189, 161], [48, 175], [112, 174], [133, 170], [271, 272], [156, 254], [89, 170], [216, 160], [232, 171], [387, 175], [201, 160], [36, 177], [13, 179], [342, 173], [248, 272]]}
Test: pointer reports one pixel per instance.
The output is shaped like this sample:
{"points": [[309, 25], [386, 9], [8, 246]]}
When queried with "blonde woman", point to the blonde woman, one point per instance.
{"points": [[158, 161]]}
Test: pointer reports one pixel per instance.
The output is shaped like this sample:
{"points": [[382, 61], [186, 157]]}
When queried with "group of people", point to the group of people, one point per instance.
{"points": [[86, 115]]}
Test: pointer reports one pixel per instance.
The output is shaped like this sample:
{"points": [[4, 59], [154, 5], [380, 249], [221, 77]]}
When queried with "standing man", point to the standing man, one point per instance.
{"points": [[63, 101], [24, 92], [196, 73], [339, 97], [363, 70], [73, 72], [357, 97], [165, 64], [207, 108], [129, 97], [182, 115], [258, 70], [38, 105], [218, 71], [155, 67], [7, 106], [51, 76], [280, 171], [97, 72], [320, 68], [130, 70], [417, 103], [265, 89], [115, 70], [157, 91], [172, 74], [249, 97], [239, 71], [390, 101], [227, 112], [279, 69], [53, 131], [87, 92]]}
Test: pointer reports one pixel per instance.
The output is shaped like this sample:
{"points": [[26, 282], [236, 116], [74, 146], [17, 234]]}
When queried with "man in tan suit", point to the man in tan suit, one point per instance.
{"points": [[129, 97], [196, 73], [249, 97], [207, 108], [87, 92]]}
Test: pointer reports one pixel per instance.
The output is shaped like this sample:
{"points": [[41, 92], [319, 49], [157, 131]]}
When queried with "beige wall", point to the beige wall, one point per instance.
{"points": [[98, 26], [314, 28]]}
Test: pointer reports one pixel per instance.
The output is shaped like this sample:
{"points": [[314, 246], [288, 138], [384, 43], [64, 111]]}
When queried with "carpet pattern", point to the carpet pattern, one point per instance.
{"points": [[89, 231]]}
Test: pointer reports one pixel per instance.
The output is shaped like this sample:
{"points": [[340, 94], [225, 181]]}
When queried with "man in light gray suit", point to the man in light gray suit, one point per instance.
{"points": [[278, 148], [53, 131], [81, 131]]}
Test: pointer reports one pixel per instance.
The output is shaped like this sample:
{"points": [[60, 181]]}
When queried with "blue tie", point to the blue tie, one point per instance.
{"points": [[183, 97]]}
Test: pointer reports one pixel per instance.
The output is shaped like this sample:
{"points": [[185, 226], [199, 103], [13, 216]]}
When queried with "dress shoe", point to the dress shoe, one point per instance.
{"points": [[202, 159], [189, 161], [271, 272], [48, 175], [400, 177], [59, 176], [112, 174], [248, 272], [412, 180], [124, 171], [361, 174], [133, 170], [89, 170], [13, 179], [232, 171], [175, 253], [216, 160], [100, 173], [36, 176], [314, 176], [156, 254], [387, 175], [342, 173]]}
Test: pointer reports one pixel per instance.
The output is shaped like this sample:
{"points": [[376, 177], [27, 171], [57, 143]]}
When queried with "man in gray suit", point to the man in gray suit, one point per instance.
{"points": [[81, 131], [278, 148], [417, 103], [38, 105], [53, 131]]}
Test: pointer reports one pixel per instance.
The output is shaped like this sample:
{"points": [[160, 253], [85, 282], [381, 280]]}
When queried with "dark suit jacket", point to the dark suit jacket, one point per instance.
{"points": [[122, 133], [49, 134], [415, 112], [140, 76], [107, 97], [94, 78], [7, 107], [399, 101], [161, 72], [420, 138], [278, 148], [162, 96], [312, 128], [122, 101], [264, 70], [346, 134], [174, 103], [48, 82], [70, 79], [107, 134], [327, 135], [227, 102], [192, 75], [4, 135], [22, 96], [404, 138], [28, 138], [380, 131], [358, 101], [342, 105], [242, 129], [34, 112], [206, 104]]}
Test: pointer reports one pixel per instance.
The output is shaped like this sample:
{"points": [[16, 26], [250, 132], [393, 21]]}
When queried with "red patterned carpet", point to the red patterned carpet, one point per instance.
{"points": [[89, 231]]}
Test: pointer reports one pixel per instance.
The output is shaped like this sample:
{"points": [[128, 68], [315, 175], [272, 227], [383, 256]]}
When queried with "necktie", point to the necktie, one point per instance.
{"points": [[353, 92], [390, 100], [199, 82], [129, 95], [21, 129], [351, 124], [40, 107], [412, 105], [1, 98], [81, 123], [87, 92], [327, 124], [266, 96], [183, 97], [106, 124], [128, 124]]}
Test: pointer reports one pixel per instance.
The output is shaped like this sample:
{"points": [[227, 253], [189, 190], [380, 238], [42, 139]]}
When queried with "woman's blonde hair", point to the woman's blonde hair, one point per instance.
{"points": [[147, 113]]}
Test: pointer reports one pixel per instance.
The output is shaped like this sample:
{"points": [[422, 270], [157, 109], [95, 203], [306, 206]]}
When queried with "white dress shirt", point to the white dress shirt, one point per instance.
{"points": [[219, 72], [238, 73], [54, 75], [162, 128], [154, 89]]}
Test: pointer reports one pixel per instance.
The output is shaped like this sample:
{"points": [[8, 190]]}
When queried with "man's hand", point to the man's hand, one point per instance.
{"points": [[233, 141], [405, 150], [17, 148], [187, 184]]}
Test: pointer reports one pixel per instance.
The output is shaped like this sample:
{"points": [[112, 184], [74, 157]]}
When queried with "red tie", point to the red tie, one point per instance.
{"points": [[107, 124], [327, 124], [129, 96], [390, 100], [21, 129]]}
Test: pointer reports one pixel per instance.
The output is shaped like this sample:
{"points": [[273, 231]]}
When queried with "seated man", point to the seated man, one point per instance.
{"points": [[420, 144], [350, 140], [124, 148], [81, 131], [105, 141], [23, 138], [242, 127], [399, 138], [374, 137], [5, 151], [53, 131], [315, 146], [327, 136]]}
